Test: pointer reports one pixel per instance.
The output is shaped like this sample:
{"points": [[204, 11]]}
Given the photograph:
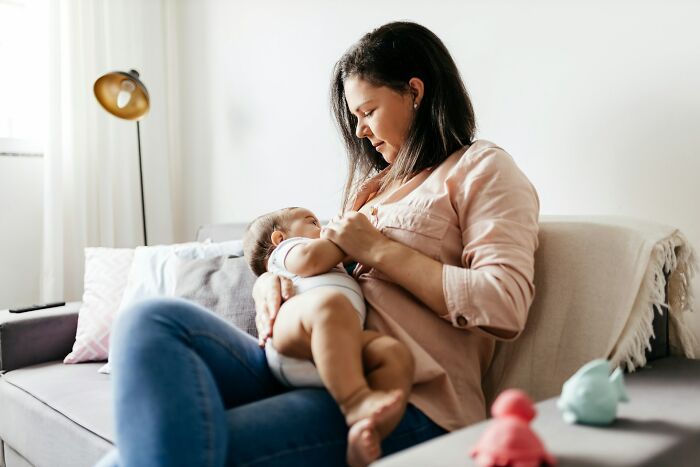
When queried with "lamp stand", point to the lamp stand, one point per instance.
{"points": [[143, 204]]}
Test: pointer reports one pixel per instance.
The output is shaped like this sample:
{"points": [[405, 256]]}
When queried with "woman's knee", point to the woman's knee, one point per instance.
{"points": [[143, 317]]}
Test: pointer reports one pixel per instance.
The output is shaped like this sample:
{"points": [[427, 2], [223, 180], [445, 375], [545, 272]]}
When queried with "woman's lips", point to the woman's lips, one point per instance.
{"points": [[379, 146]]}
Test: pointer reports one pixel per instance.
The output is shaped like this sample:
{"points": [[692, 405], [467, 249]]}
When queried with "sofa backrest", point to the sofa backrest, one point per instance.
{"points": [[592, 300], [221, 232]]}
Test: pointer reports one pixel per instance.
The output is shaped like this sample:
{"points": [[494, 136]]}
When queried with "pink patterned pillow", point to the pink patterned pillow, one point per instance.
{"points": [[106, 273]]}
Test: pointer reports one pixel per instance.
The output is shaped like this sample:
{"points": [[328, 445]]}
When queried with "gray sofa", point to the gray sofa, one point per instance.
{"points": [[53, 414]]}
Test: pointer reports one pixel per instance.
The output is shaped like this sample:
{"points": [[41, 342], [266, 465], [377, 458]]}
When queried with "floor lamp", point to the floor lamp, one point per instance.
{"points": [[124, 95]]}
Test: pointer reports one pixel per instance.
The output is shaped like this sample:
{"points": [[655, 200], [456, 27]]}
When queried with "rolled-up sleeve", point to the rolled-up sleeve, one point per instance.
{"points": [[498, 209]]}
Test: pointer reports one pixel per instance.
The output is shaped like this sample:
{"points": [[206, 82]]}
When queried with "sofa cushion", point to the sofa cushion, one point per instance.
{"points": [[14, 459], [222, 284], [50, 406]]}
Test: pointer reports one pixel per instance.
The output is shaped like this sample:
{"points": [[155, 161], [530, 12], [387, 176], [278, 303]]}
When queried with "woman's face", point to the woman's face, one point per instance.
{"points": [[384, 116]]}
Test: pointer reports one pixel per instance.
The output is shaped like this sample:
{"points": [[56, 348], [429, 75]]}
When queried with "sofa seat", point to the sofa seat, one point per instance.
{"points": [[56, 414]]}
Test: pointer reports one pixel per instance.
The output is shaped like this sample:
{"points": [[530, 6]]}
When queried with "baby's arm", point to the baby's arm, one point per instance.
{"points": [[315, 257]]}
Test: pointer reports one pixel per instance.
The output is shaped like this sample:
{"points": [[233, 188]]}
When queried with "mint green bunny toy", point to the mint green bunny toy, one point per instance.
{"points": [[590, 396]]}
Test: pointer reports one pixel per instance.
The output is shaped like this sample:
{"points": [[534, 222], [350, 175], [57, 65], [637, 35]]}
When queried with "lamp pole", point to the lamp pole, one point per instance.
{"points": [[143, 204]]}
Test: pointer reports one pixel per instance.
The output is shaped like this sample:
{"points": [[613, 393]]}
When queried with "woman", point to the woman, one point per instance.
{"points": [[444, 230]]}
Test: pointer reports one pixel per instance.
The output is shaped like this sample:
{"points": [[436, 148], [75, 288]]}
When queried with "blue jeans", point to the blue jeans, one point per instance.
{"points": [[190, 389]]}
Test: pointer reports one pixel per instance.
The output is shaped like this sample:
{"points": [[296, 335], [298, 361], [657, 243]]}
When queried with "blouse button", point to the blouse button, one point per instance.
{"points": [[462, 321], [373, 211]]}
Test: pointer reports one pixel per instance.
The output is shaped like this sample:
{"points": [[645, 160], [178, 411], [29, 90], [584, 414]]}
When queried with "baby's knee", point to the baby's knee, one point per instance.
{"points": [[330, 306], [395, 351], [402, 354]]}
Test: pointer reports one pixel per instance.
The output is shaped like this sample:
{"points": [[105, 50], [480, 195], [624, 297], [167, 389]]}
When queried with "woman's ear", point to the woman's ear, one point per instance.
{"points": [[277, 237], [417, 89]]}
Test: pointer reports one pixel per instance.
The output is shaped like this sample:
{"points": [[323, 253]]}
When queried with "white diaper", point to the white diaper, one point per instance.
{"points": [[294, 372]]}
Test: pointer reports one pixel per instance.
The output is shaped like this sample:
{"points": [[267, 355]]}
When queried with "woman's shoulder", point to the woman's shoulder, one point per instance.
{"points": [[482, 157], [486, 168]]}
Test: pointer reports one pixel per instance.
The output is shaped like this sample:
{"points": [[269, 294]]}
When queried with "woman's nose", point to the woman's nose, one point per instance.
{"points": [[361, 130]]}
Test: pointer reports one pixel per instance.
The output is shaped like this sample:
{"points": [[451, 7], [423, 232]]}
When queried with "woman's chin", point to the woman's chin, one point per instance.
{"points": [[389, 158]]}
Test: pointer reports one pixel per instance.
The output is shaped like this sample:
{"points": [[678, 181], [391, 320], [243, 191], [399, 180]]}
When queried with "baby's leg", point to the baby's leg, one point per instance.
{"points": [[288, 335], [321, 324], [389, 370], [388, 366]]}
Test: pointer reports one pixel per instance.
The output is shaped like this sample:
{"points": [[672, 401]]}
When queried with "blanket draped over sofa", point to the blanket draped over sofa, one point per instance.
{"points": [[609, 284]]}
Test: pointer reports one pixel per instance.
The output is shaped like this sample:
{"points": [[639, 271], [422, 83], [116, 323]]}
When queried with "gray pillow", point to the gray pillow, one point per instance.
{"points": [[221, 284]]}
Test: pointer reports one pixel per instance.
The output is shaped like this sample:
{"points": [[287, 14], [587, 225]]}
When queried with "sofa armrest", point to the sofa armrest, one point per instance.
{"points": [[37, 336]]}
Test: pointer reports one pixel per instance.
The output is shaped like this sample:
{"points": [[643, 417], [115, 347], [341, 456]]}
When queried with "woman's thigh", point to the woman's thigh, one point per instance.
{"points": [[305, 427], [158, 334], [176, 368]]}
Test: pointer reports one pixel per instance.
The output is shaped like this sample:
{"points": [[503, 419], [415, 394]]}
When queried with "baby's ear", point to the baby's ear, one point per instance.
{"points": [[277, 237]]}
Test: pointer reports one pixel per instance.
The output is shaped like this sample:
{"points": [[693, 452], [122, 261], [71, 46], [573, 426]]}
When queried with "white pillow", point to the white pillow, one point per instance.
{"points": [[153, 268]]}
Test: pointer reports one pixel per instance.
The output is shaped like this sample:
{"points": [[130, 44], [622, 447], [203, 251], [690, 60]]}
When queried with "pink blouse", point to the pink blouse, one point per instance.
{"points": [[477, 214]]}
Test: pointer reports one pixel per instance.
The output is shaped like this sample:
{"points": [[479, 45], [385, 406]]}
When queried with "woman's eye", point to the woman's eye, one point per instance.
{"points": [[369, 114]]}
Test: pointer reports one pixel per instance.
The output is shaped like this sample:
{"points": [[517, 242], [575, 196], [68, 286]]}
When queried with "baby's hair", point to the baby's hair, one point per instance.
{"points": [[257, 241]]}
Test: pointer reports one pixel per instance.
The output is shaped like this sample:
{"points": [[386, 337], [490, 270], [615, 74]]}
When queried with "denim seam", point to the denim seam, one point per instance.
{"points": [[225, 345], [206, 412]]}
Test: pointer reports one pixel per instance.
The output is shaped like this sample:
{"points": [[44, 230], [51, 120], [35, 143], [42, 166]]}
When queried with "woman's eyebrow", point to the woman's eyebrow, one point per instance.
{"points": [[364, 103]]}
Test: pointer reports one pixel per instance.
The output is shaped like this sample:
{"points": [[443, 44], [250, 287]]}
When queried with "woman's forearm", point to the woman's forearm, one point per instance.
{"points": [[412, 270]]}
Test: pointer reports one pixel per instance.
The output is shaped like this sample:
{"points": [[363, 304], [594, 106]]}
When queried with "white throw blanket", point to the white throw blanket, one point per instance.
{"points": [[598, 282]]}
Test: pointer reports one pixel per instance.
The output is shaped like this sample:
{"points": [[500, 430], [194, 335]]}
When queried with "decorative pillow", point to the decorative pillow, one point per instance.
{"points": [[106, 272], [152, 272], [223, 285]]}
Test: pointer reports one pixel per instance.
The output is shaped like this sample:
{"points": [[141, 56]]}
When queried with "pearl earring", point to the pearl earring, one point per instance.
{"points": [[415, 106]]}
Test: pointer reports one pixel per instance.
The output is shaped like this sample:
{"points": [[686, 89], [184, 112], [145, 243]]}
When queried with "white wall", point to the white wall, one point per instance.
{"points": [[598, 102], [21, 181]]}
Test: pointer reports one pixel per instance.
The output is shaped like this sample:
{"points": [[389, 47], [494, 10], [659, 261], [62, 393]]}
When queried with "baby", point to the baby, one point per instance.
{"points": [[368, 374]]}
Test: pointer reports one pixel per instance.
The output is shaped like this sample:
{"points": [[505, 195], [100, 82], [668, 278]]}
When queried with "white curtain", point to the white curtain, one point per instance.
{"points": [[92, 195]]}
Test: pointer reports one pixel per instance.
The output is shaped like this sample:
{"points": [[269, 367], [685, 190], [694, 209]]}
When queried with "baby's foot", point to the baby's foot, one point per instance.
{"points": [[364, 439], [364, 443], [368, 403]]}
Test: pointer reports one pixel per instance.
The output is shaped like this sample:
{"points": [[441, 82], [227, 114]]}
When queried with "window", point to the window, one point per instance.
{"points": [[23, 70]]}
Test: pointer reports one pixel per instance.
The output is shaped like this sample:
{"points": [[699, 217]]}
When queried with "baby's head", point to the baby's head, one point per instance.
{"points": [[269, 230]]}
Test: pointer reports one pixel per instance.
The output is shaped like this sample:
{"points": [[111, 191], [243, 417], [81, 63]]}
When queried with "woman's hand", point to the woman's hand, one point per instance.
{"points": [[269, 291], [416, 272], [356, 236]]}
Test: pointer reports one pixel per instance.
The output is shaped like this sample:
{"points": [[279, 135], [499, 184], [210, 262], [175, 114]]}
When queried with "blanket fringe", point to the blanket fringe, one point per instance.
{"points": [[675, 258]]}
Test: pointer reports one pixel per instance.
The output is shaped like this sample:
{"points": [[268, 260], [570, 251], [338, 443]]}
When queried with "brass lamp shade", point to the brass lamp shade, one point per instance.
{"points": [[133, 104]]}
